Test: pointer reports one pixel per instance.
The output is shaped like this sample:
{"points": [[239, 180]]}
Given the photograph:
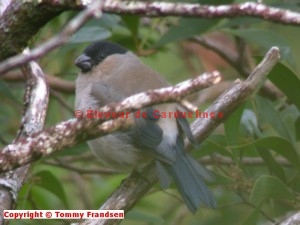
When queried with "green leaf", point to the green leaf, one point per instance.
{"points": [[49, 182], [271, 163], [252, 217], [287, 5], [214, 144], [90, 34], [282, 147], [187, 27], [132, 23], [267, 39], [269, 114], [221, 180], [287, 82], [109, 21], [78, 149], [145, 217], [268, 187], [297, 126], [232, 126], [240, 22], [289, 115], [6, 91]]}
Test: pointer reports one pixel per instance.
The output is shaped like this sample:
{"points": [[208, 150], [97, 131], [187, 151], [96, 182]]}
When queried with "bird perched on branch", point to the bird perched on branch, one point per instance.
{"points": [[110, 73]]}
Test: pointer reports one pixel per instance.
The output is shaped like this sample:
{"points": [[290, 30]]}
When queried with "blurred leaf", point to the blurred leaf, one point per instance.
{"points": [[90, 34], [23, 202], [287, 5], [297, 126], [78, 149], [287, 82], [220, 180], [294, 183], [252, 217], [187, 27], [108, 21], [271, 163], [232, 126], [132, 23], [239, 22], [282, 147], [289, 115], [267, 187], [145, 217], [5, 91], [214, 144], [267, 111], [267, 39], [49, 182]]}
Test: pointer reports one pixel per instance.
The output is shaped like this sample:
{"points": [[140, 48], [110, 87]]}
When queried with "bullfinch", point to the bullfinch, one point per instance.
{"points": [[109, 73]]}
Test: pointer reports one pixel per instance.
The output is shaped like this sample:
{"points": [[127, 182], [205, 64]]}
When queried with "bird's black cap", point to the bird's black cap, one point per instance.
{"points": [[96, 52]]}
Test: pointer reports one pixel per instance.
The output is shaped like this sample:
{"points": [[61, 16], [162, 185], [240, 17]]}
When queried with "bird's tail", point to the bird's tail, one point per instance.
{"points": [[188, 176]]}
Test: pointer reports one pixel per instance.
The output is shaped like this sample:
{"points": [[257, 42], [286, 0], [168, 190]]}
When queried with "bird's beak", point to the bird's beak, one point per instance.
{"points": [[84, 62]]}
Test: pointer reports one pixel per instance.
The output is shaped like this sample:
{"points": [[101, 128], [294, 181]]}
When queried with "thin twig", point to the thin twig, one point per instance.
{"points": [[63, 165], [55, 83]]}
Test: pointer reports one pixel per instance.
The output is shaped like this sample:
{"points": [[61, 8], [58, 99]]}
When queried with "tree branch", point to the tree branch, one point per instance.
{"points": [[35, 107], [21, 20], [292, 220], [203, 11]]}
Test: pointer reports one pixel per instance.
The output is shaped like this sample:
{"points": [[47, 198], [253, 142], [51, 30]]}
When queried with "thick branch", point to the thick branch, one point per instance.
{"points": [[203, 11], [21, 21], [131, 189], [69, 133], [35, 106]]}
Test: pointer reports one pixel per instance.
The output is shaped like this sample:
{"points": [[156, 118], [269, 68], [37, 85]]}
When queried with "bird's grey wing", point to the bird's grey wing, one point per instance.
{"points": [[147, 135], [104, 94]]}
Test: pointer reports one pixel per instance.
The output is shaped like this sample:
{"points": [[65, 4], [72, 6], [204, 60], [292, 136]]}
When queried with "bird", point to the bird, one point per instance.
{"points": [[110, 73]]}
